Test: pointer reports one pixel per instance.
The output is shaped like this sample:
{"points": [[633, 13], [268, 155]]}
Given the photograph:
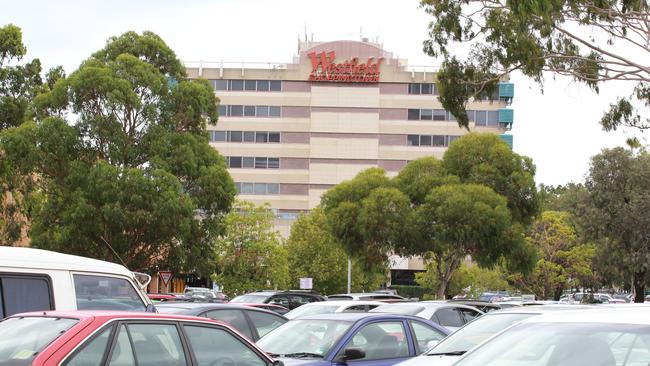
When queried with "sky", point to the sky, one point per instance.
{"points": [[558, 128]]}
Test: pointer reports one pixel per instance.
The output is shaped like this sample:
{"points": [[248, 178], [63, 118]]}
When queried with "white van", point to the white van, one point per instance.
{"points": [[34, 279]]}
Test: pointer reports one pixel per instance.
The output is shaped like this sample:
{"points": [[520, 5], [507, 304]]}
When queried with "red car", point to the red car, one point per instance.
{"points": [[87, 338], [161, 297]]}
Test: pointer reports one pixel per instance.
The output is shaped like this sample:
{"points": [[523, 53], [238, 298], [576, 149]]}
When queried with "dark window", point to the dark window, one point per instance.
{"points": [[493, 118], [274, 111], [426, 114], [212, 346], [425, 140], [248, 162], [236, 84], [223, 110], [249, 111], [439, 115], [356, 309], [250, 85], [273, 188], [276, 85], [427, 88], [22, 294], [221, 84], [449, 317], [92, 353], [236, 110], [261, 137], [413, 140], [238, 187], [235, 136], [438, 140], [260, 188], [414, 88], [274, 136], [469, 314], [470, 115], [450, 117], [249, 136], [480, 118], [233, 317], [235, 162], [156, 345], [452, 139], [264, 322], [262, 85], [260, 163], [279, 300], [219, 135], [106, 293], [274, 163], [262, 110], [413, 114]]}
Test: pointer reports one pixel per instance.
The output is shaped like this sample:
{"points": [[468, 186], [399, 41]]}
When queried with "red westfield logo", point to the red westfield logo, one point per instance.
{"points": [[323, 68]]}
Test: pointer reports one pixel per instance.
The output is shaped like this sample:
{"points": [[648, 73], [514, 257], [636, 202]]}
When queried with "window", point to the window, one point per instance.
{"points": [[426, 114], [236, 110], [21, 294], [274, 163], [493, 118], [235, 136], [106, 293], [276, 85], [23, 338], [247, 188], [261, 163], [223, 110], [414, 88], [425, 140], [92, 353], [413, 114], [236, 84], [262, 85], [235, 318], [235, 162], [213, 346], [469, 314], [260, 188], [262, 110], [264, 322], [248, 162], [249, 111], [273, 188], [250, 85], [380, 340], [439, 115], [413, 140], [480, 118], [449, 317], [261, 137], [274, 111], [274, 136], [221, 84], [249, 136], [438, 140], [427, 88], [423, 335], [356, 309], [156, 345], [452, 139], [122, 354]]}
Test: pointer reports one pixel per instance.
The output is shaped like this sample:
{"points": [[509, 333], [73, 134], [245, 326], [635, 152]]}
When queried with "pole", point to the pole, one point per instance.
{"points": [[349, 275]]}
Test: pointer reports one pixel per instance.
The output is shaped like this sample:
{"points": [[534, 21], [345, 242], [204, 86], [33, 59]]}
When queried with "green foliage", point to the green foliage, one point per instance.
{"points": [[410, 292], [469, 280], [250, 256], [132, 179], [589, 41], [314, 252]]}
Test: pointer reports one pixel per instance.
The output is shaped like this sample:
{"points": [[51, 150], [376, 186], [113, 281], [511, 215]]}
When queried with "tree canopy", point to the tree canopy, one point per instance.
{"points": [[589, 41]]}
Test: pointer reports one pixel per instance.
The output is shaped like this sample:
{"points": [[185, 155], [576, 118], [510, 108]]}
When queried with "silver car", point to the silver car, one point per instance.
{"points": [[448, 314]]}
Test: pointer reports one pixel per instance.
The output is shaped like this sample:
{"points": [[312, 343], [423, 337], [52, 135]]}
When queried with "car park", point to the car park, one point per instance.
{"points": [[353, 338], [449, 315], [339, 306], [34, 279], [253, 323], [368, 296], [472, 334], [290, 299], [608, 336], [85, 338]]}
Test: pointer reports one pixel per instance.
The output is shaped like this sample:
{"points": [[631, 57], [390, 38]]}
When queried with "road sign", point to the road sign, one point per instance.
{"points": [[165, 276], [306, 283]]}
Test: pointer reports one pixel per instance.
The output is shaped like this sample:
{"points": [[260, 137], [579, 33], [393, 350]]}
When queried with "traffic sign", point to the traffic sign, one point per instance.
{"points": [[165, 276]]}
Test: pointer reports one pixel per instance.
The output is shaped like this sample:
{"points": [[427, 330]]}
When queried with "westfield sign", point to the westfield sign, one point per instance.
{"points": [[323, 68]]}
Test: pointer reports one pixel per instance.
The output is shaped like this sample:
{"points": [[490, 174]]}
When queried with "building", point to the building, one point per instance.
{"points": [[292, 131]]}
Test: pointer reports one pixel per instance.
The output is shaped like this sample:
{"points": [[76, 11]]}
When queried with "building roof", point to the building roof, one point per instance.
{"points": [[44, 259]]}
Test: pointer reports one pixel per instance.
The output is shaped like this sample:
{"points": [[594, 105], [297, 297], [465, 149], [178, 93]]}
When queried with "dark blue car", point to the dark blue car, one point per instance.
{"points": [[359, 339]]}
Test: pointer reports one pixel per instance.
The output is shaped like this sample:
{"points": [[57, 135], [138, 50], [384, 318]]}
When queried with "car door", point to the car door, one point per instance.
{"points": [[384, 343]]}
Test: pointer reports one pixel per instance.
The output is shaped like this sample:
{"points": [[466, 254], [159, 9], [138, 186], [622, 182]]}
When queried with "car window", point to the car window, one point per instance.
{"points": [[449, 317], [91, 353], [424, 334], [21, 339], [233, 317], [469, 314], [380, 340], [264, 322], [106, 293], [157, 345], [279, 300], [355, 309], [217, 347], [629, 349], [122, 353], [21, 294]]}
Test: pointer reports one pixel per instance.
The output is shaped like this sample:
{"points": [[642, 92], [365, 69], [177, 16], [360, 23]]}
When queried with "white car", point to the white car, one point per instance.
{"points": [[456, 344], [608, 336], [327, 307], [448, 314]]}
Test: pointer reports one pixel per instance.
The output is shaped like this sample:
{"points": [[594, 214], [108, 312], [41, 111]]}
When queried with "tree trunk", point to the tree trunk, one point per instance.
{"points": [[441, 290], [558, 293], [639, 286]]}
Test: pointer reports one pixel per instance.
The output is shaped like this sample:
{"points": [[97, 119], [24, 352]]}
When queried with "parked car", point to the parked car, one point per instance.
{"points": [[483, 306], [367, 296], [450, 315], [253, 323], [359, 338], [34, 279], [611, 336], [327, 307], [289, 299], [278, 309], [201, 294], [120, 338], [586, 298], [162, 297], [472, 334]]}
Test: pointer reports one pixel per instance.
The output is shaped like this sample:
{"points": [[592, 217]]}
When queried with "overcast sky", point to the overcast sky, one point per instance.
{"points": [[559, 129]]}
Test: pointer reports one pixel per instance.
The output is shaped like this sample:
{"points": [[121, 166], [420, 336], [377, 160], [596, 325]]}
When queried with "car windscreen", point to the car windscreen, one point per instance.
{"points": [[22, 338], [304, 336], [255, 299], [398, 309], [476, 332]]}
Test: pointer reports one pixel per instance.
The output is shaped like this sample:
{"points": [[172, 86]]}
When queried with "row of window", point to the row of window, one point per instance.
{"points": [[257, 188], [423, 88], [253, 162], [247, 85], [430, 140], [245, 136], [480, 118], [250, 111]]}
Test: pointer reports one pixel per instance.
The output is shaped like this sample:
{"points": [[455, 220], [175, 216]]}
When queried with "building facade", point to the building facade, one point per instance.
{"points": [[292, 131]]}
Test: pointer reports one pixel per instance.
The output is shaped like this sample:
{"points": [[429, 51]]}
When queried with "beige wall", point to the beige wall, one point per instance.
{"points": [[344, 148], [345, 122]]}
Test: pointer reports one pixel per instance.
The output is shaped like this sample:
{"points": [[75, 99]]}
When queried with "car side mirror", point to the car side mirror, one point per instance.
{"points": [[350, 354], [432, 344]]}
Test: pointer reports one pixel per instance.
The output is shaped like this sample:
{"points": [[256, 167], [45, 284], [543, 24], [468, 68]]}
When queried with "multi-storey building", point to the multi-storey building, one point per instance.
{"points": [[292, 131]]}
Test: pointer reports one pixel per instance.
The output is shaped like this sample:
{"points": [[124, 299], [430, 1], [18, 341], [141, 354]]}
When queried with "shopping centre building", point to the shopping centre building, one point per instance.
{"points": [[292, 131]]}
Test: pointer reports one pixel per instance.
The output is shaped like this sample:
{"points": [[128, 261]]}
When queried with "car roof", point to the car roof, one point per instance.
{"points": [[609, 315], [353, 317], [540, 309], [45, 259], [199, 307], [107, 315], [344, 303], [430, 305]]}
